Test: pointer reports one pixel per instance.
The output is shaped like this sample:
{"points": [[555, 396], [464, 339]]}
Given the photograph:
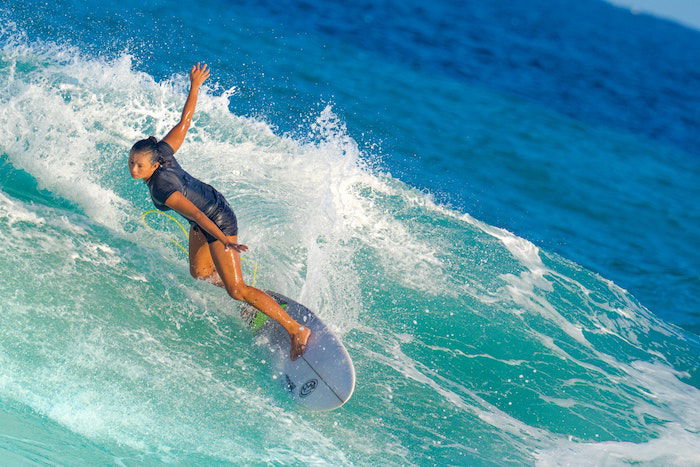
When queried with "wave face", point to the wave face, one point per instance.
{"points": [[571, 124], [472, 345]]}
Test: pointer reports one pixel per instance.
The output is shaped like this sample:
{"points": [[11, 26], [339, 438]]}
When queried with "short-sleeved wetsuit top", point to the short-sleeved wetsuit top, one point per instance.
{"points": [[170, 177]]}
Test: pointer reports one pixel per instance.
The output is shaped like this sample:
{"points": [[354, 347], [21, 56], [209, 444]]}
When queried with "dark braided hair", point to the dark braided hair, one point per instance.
{"points": [[148, 145]]}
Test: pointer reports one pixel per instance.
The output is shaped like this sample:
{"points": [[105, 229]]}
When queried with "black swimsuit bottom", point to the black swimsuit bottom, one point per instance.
{"points": [[223, 217]]}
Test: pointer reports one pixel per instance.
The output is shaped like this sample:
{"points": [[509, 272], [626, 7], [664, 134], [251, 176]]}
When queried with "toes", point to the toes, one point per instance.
{"points": [[298, 348], [299, 343]]}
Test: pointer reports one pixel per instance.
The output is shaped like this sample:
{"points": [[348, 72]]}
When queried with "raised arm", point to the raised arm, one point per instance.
{"points": [[176, 136]]}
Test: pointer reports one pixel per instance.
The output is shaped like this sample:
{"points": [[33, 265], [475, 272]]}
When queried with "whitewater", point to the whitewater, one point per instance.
{"points": [[472, 346]]}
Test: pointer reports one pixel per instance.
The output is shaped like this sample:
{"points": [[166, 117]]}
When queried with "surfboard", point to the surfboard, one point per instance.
{"points": [[323, 378]]}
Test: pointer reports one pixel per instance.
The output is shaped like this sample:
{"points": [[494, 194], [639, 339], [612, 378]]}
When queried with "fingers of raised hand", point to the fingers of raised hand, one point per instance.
{"points": [[200, 72]]}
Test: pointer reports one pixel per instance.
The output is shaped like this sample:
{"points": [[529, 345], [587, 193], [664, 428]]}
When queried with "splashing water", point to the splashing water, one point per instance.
{"points": [[471, 345]]}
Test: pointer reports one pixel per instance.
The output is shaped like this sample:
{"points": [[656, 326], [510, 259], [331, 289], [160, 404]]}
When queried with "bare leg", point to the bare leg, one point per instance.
{"points": [[223, 268], [201, 265]]}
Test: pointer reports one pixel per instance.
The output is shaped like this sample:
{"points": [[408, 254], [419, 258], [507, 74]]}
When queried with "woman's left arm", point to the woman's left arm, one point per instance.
{"points": [[176, 136]]}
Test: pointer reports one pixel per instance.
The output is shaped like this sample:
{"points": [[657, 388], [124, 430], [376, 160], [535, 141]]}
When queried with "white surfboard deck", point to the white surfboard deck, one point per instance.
{"points": [[323, 378]]}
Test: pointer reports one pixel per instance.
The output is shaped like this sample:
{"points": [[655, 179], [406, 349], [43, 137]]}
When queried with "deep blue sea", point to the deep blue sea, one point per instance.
{"points": [[494, 203]]}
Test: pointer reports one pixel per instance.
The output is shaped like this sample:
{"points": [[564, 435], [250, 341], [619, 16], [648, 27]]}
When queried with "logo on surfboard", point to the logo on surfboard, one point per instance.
{"points": [[308, 387]]}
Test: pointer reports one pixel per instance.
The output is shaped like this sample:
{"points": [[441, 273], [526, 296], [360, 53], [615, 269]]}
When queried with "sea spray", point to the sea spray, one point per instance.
{"points": [[471, 345]]}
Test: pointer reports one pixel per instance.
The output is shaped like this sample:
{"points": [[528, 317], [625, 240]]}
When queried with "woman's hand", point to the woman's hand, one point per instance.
{"points": [[229, 245], [198, 74]]}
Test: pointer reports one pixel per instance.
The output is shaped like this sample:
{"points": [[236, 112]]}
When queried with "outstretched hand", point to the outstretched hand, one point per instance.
{"points": [[198, 74], [228, 245]]}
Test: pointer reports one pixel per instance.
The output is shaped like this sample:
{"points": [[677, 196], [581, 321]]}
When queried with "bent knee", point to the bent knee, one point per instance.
{"points": [[202, 273], [237, 291]]}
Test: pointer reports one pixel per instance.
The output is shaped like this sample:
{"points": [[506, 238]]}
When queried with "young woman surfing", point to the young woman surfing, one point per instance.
{"points": [[214, 248]]}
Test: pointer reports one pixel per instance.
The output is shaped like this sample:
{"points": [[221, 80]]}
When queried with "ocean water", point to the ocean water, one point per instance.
{"points": [[494, 205]]}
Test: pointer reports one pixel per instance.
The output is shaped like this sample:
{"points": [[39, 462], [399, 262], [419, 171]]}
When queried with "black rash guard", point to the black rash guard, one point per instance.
{"points": [[170, 177]]}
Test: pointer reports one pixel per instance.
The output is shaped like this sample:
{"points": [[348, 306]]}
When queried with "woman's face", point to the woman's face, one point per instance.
{"points": [[140, 165]]}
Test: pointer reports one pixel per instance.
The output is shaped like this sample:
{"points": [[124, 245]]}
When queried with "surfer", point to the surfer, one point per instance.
{"points": [[213, 238]]}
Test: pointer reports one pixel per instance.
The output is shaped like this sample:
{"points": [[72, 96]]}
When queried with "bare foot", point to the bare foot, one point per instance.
{"points": [[299, 341]]}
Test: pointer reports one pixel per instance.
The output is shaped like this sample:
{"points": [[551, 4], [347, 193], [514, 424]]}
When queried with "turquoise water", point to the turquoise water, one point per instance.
{"points": [[472, 345]]}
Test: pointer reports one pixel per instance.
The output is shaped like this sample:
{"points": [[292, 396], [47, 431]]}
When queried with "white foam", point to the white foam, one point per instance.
{"points": [[307, 209], [675, 447], [14, 212], [299, 203]]}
